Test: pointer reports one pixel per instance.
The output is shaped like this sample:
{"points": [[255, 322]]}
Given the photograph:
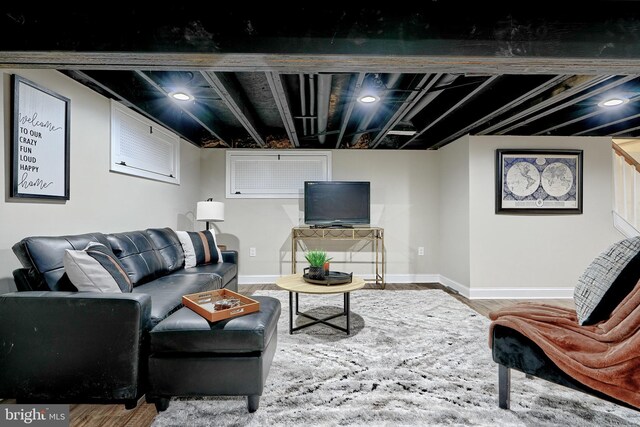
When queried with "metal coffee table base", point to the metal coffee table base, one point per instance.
{"points": [[346, 312]]}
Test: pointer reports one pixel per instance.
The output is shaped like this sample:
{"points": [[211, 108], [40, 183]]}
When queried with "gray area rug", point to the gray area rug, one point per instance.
{"points": [[414, 358]]}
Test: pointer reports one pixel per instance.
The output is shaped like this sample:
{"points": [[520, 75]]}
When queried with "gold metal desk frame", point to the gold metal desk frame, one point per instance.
{"points": [[374, 235]]}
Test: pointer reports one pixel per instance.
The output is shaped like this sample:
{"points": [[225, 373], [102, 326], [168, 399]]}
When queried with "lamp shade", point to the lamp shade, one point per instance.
{"points": [[210, 211]]}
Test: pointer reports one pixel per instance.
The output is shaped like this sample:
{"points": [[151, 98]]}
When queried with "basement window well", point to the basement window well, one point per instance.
{"points": [[274, 174], [141, 147]]}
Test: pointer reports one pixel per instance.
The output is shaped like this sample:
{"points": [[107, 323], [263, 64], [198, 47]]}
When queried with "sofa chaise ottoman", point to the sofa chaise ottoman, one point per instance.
{"points": [[61, 345], [192, 357]]}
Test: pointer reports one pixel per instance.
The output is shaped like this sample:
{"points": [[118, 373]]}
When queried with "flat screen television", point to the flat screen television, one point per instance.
{"points": [[336, 203]]}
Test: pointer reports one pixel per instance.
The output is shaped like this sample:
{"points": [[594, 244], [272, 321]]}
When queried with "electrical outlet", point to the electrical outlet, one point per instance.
{"points": [[421, 250], [252, 251]]}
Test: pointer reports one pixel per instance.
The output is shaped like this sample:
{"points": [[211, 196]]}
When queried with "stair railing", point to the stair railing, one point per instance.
{"points": [[627, 186]]}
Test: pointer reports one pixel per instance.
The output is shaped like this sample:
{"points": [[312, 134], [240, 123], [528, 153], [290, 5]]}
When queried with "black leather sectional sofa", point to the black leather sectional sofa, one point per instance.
{"points": [[57, 344]]}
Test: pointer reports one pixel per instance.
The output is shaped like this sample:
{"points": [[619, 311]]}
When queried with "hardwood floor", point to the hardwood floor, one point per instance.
{"points": [[84, 415]]}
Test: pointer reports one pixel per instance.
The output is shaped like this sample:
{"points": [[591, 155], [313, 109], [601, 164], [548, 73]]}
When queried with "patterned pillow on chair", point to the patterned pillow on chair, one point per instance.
{"points": [[607, 281]]}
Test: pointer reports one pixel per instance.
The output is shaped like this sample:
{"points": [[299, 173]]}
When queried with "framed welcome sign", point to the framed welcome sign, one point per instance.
{"points": [[40, 142]]}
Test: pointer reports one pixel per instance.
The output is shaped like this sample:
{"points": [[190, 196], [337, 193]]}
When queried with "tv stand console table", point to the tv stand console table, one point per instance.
{"points": [[374, 235]]}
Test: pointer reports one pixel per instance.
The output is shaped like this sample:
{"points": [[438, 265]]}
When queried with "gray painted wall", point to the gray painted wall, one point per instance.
{"points": [[485, 255], [404, 185], [453, 211], [538, 251]]}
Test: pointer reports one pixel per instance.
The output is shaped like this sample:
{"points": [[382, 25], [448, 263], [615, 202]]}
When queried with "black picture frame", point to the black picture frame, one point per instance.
{"points": [[40, 124], [538, 181]]}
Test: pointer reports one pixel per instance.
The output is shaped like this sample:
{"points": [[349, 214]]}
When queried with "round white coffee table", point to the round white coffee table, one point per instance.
{"points": [[295, 284]]}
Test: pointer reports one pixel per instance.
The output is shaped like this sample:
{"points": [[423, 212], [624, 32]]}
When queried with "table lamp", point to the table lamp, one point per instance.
{"points": [[210, 211]]}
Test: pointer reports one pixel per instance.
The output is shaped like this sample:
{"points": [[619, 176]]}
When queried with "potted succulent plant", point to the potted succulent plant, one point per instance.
{"points": [[317, 260]]}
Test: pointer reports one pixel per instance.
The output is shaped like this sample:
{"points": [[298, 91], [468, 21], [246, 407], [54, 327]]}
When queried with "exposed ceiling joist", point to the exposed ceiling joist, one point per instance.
{"points": [[579, 84], [130, 104], [422, 88], [181, 106], [569, 102], [355, 93], [626, 131], [584, 116], [231, 95], [543, 101], [605, 125], [469, 96], [280, 98], [302, 81], [532, 93], [572, 121]]}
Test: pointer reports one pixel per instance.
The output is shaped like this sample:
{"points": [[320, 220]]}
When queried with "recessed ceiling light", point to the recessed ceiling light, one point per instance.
{"points": [[181, 96], [613, 102], [368, 99]]}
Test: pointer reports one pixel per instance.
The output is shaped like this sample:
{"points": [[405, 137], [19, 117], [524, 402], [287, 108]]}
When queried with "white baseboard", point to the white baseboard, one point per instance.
{"points": [[471, 293], [409, 278], [521, 293], [507, 293], [452, 284], [257, 279]]}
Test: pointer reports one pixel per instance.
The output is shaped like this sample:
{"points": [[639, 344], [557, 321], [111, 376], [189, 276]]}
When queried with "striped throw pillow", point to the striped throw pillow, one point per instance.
{"points": [[199, 248], [96, 269]]}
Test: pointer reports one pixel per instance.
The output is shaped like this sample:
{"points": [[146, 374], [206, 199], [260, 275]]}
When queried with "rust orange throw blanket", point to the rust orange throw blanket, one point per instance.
{"points": [[604, 356]]}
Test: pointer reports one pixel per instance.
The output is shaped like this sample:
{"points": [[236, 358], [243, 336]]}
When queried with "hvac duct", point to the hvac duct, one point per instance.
{"points": [[324, 91]]}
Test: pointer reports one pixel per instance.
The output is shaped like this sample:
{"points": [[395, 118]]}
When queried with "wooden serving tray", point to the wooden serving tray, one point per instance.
{"points": [[203, 304]]}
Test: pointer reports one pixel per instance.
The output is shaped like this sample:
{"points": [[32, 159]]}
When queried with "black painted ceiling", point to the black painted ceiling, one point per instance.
{"points": [[298, 72]]}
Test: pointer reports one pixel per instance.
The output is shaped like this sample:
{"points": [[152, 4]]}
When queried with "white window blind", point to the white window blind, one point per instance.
{"points": [[274, 174], [142, 148]]}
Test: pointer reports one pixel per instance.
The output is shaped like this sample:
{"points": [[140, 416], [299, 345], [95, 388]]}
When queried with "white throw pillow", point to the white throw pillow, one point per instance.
{"points": [[96, 269], [199, 248]]}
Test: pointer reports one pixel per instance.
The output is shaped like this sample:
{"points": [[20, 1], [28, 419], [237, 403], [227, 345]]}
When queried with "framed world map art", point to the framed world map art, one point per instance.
{"points": [[538, 181]]}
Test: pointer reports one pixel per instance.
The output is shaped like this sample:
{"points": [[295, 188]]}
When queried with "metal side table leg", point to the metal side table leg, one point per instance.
{"points": [[347, 309], [290, 313]]}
